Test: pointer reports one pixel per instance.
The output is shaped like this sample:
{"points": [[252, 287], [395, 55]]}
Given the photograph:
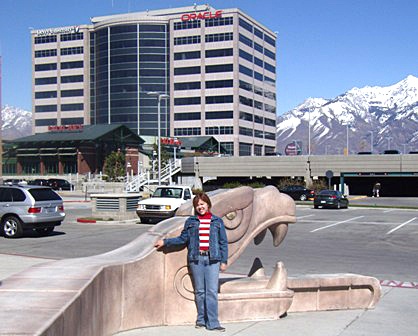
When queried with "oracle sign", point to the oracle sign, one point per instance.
{"points": [[64, 128], [201, 16], [171, 142]]}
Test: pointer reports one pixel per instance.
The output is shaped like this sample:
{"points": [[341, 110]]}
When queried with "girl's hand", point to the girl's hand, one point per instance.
{"points": [[159, 243], [223, 267]]}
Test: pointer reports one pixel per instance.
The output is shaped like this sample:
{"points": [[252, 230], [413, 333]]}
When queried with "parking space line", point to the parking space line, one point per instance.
{"points": [[338, 223], [390, 210], [300, 217], [399, 226]]}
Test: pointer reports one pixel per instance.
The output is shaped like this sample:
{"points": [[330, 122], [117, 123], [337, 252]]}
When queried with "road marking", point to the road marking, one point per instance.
{"points": [[338, 223], [390, 210], [399, 226], [304, 216]]}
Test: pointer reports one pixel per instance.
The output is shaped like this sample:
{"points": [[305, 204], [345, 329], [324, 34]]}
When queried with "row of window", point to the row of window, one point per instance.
{"points": [[244, 24], [255, 74], [257, 90], [208, 100], [208, 69], [254, 59], [215, 84], [256, 133], [208, 38], [208, 54], [257, 119], [254, 45], [63, 65], [63, 51], [257, 104], [64, 121], [53, 38], [215, 22], [53, 94], [64, 79], [64, 108]]}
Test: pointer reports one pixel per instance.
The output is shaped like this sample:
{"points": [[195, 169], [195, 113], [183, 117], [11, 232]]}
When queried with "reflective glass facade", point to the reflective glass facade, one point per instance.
{"points": [[127, 61]]}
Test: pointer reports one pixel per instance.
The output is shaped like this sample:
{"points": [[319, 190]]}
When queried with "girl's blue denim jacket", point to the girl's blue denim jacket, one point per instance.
{"points": [[218, 242]]}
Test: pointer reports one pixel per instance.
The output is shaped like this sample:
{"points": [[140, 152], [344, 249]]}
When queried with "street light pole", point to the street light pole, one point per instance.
{"points": [[347, 141], [371, 141], [159, 97], [389, 138], [309, 131]]}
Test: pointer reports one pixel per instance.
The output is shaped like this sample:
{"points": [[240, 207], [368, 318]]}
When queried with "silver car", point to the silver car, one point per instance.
{"points": [[29, 208]]}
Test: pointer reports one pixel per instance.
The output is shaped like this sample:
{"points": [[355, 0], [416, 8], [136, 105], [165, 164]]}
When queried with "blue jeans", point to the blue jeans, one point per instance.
{"points": [[206, 282]]}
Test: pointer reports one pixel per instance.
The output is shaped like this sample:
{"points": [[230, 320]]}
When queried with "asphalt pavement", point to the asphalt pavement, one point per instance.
{"points": [[395, 314]]}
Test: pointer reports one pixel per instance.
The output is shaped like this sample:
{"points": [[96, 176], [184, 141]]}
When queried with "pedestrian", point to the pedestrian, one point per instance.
{"points": [[376, 189], [207, 253]]}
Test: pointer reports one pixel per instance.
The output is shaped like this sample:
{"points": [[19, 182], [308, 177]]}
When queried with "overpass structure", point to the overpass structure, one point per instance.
{"points": [[353, 170]]}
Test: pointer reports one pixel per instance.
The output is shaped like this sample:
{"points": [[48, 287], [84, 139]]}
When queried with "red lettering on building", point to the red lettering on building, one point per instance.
{"points": [[63, 128], [201, 16], [171, 142]]}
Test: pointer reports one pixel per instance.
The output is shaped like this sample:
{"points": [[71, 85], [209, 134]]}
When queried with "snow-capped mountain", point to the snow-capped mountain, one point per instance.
{"points": [[16, 122], [386, 116]]}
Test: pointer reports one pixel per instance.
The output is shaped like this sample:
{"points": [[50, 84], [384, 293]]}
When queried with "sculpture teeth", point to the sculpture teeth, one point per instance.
{"points": [[277, 234], [260, 237]]}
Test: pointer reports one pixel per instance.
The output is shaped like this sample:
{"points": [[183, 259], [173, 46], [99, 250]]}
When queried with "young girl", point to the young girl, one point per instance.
{"points": [[207, 245]]}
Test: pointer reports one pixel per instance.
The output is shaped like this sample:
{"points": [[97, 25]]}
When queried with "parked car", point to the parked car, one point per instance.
{"points": [[163, 203], [391, 151], [29, 208], [364, 153], [330, 199], [41, 182], [60, 184], [15, 182], [298, 192]]}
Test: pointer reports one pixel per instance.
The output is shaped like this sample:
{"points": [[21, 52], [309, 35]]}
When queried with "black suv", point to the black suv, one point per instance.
{"points": [[298, 192], [60, 184]]}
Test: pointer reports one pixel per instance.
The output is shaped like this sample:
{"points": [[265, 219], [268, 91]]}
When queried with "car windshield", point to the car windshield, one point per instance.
{"points": [[327, 192], [44, 194], [168, 192]]}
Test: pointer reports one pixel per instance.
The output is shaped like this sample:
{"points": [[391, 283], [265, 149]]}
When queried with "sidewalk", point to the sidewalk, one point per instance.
{"points": [[395, 315]]}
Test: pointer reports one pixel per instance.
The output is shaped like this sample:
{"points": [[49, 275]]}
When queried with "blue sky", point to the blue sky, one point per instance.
{"points": [[324, 47]]}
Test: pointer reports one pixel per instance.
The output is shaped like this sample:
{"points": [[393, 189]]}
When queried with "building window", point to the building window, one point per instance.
{"points": [[246, 101], [270, 54], [71, 37], [258, 47], [269, 67], [246, 40], [219, 115], [258, 76], [72, 107], [45, 122], [45, 80], [258, 61], [269, 122], [258, 105], [187, 101], [258, 134], [226, 130], [244, 24], [72, 121], [187, 131], [187, 116], [258, 150], [269, 108], [270, 40], [219, 99], [268, 150], [270, 136], [270, 80], [45, 39], [72, 51], [219, 37], [212, 130], [72, 93], [222, 21], [187, 40], [45, 94], [246, 71], [72, 79], [246, 131], [229, 147], [46, 67], [72, 65], [244, 149], [245, 55], [187, 25], [186, 55], [187, 86], [258, 119], [219, 130], [258, 33], [218, 84], [219, 68], [46, 108], [246, 116], [45, 53], [246, 86], [187, 71], [219, 53]]}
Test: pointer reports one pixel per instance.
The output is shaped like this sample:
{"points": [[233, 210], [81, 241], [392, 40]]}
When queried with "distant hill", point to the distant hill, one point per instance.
{"points": [[390, 113], [16, 123]]}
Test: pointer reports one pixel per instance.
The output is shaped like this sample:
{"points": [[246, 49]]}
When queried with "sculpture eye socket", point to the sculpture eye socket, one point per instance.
{"points": [[233, 219]]}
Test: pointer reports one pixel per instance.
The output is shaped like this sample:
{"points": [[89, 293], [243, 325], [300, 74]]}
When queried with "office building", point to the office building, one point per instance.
{"points": [[218, 68]]}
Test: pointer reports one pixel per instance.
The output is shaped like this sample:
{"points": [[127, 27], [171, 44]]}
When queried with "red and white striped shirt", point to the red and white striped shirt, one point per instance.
{"points": [[204, 229]]}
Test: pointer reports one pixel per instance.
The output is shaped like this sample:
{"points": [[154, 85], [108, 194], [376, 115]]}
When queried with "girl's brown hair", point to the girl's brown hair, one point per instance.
{"points": [[201, 196]]}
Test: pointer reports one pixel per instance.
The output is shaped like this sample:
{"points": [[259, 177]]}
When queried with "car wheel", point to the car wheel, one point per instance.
{"points": [[338, 205], [144, 220], [303, 197], [315, 207], [44, 231], [12, 227]]}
